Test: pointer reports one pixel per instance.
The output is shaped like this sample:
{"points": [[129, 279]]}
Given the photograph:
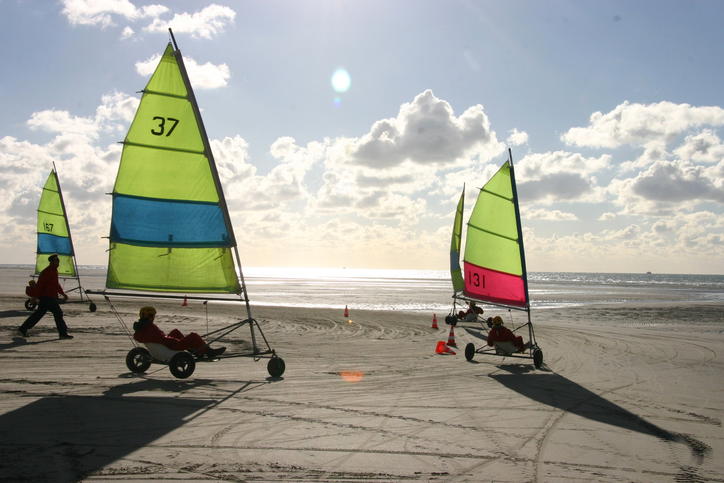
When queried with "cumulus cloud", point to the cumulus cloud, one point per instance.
{"points": [[560, 176], [676, 181], [669, 187], [101, 12], [54, 121], [702, 147], [547, 215], [637, 124], [207, 23], [202, 76], [425, 131], [127, 33], [516, 138]]}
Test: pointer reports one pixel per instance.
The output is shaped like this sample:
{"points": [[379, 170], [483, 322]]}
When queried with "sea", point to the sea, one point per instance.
{"points": [[429, 290]]}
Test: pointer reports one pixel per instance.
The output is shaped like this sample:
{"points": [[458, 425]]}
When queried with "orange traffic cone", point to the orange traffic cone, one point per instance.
{"points": [[451, 337], [434, 321], [185, 302], [346, 311], [442, 348]]}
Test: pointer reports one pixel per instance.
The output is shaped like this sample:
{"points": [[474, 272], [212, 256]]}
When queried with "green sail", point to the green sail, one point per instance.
{"points": [[170, 228], [493, 226], [53, 230], [455, 270]]}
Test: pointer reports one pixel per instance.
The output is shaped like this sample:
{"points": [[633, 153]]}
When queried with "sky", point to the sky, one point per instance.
{"points": [[345, 130]]}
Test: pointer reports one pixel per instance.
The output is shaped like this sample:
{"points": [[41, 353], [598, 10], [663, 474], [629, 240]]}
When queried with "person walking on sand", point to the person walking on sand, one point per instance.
{"points": [[146, 331], [47, 290]]}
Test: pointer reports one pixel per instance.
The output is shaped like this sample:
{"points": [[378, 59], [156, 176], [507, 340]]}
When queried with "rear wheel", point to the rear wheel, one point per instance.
{"points": [[275, 366], [138, 360], [92, 307], [30, 304], [470, 351], [538, 358], [182, 365]]}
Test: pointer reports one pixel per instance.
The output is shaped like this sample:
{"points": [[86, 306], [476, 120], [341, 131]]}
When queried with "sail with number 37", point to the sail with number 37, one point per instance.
{"points": [[170, 227]]}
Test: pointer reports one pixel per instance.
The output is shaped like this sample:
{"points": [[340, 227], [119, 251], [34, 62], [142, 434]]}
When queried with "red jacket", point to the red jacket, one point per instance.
{"points": [[146, 331], [48, 285], [503, 334], [149, 332]]}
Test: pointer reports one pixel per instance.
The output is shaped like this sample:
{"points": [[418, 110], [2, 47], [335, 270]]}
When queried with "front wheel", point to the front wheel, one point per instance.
{"points": [[470, 351], [275, 366], [138, 360], [538, 358], [182, 365], [92, 307]]}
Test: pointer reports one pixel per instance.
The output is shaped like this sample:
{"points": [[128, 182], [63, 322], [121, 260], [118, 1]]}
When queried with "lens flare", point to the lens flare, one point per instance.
{"points": [[352, 376], [341, 80]]}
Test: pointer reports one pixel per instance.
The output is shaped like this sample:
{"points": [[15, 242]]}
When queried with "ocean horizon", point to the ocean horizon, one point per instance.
{"points": [[429, 290]]}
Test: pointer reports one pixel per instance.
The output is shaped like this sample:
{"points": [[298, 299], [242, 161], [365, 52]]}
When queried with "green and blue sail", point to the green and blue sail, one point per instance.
{"points": [[170, 228], [53, 230]]}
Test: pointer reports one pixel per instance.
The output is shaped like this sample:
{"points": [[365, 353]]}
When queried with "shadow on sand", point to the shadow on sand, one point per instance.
{"points": [[556, 391], [4, 314], [68, 438]]}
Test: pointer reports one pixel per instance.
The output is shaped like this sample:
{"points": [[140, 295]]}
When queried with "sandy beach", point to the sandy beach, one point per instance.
{"points": [[365, 398]]}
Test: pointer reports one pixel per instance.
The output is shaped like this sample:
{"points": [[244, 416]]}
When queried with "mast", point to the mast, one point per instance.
{"points": [[520, 231], [67, 227], [212, 165]]}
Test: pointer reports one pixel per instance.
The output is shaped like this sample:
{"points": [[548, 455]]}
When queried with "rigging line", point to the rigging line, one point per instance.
{"points": [[120, 319], [164, 148], [496, 194], [492, 233]]}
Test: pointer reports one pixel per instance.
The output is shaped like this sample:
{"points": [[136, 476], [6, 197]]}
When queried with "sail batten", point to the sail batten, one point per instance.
{"points": [[170, 228]]}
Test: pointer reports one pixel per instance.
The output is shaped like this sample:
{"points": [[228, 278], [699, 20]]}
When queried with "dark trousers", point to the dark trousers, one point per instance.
{"points": [[46, 304]]}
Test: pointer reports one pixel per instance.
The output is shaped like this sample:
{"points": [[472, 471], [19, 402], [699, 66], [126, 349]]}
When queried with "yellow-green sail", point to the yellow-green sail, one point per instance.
{"points": [[455, 270], [170, 228], [53, 230]]}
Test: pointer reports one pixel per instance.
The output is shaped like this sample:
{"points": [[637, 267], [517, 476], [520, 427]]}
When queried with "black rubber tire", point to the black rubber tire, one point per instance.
{"points": [[182, 365], [92, 307], [538, 358], [138, 360], [276, 366], [30, 305], [469, 351]]}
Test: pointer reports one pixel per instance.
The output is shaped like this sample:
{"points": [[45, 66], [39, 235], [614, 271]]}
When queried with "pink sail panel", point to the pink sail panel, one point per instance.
{"points": [[493, 286]]}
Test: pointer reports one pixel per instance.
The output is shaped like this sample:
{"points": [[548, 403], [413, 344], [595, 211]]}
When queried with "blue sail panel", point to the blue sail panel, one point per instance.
{"points": [[48, 243], [167, 223]]}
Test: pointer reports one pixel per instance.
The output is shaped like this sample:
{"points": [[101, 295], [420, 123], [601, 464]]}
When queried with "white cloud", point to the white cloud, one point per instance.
{"points": [[426, 131], [637, 124], [516, 138], [202, 76], [703, 147], [560, 176], [62, 122], [547, 215], [101, 12], [608, 216], [127, 33], [668, 187], [207, 23]]}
